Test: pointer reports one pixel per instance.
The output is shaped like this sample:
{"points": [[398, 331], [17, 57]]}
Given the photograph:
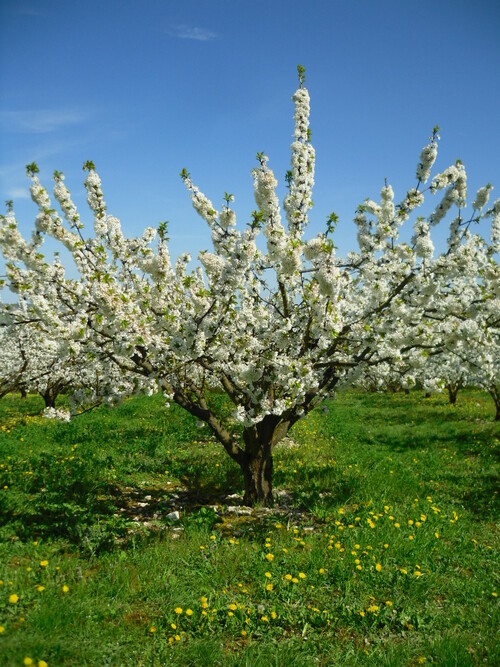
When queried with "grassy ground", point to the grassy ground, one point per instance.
{"points": [[382, 549]]}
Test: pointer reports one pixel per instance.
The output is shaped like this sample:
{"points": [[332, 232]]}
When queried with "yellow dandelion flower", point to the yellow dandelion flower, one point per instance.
{"points": [[44, 563], [361, 613], [233, 606], [359, 567], [322, 570], [243, 633], [173, 626], [397, 525], [378, 567], [495, 594], [230, 613], [270, 557], [288, 577], [417, 573], [273, 615], [178, 610], [264, 619], [42, 663], [388, 603], [27, 661], [189, 612], [177, 638], [268, 575], [2, 629], [40, 588], [269, 587], [295, 580], [13, 599], [152, 629], [65, 589]]}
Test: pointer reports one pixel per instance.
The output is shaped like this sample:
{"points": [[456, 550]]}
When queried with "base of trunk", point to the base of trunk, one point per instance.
{"points": [[258, 476]]}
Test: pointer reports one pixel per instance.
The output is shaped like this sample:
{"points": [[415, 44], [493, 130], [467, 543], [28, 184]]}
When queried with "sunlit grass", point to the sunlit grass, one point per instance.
{"points": [[385, 551]]}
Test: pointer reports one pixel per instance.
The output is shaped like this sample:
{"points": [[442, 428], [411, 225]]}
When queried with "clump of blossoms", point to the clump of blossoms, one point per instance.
{"points": [[276, 326]]}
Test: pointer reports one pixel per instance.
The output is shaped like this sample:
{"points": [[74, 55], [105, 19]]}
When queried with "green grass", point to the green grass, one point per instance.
{"points": [[383, 552]]}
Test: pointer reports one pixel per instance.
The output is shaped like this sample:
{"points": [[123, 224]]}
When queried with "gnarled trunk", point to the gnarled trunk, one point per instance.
{"points": [[257, 462], [452, 393], [495, 395], [49, 397], [258, 477]]}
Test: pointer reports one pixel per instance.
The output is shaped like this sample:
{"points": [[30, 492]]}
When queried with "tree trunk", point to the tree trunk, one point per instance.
{"points": [[452, 393], [257, 461], [49, 398], [258, 476], [495, 395]]}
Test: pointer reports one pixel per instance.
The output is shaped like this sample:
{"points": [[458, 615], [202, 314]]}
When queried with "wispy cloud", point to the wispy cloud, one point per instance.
{"points": [[18, 193], [192, 32], [39, 121]]}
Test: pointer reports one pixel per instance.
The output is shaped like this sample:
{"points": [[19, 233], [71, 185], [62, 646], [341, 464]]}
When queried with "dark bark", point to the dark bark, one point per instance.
{"points": [[49, 396], [452, 394], [257, 462], [258, 477], [495, 395]]}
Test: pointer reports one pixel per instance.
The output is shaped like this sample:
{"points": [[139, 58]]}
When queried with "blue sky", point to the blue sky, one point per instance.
{"points": [[146, 87]]}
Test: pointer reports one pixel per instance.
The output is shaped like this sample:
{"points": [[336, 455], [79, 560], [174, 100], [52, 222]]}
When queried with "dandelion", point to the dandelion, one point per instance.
{"points": [[322, 570], [27, 661], [173, 626], [40, 588], [270, 557], [397, 525], [65, 589], [302, 575], [2, 629], [13, 599], [178, 610], [44, 563], [152, 629], [288, 577], [417, 573], [268, 575], [273, 615], [378, 567], [233, 606], [189, 612], [388, 603], [264, 619], [269, 587], [495, 594], [243, 633], [42, 663], [295, 580]]}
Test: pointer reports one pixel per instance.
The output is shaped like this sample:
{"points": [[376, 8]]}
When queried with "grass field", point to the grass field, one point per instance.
{"points": [[382, 548]]}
